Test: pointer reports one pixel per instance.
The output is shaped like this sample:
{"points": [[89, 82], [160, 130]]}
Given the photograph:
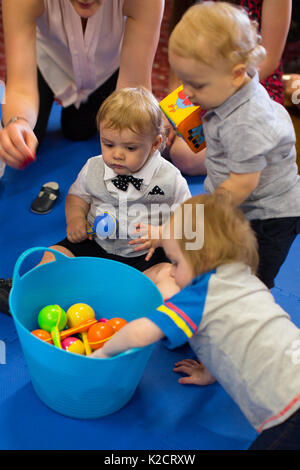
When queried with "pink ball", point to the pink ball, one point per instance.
{"points": [[73, 344]]}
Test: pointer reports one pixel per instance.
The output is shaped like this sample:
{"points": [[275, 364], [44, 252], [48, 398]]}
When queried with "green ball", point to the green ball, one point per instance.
{"points": [[52, 316]]}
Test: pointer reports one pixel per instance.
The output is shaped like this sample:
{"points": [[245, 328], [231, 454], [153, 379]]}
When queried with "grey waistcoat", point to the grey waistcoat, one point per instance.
{"points": [[151, 209]]}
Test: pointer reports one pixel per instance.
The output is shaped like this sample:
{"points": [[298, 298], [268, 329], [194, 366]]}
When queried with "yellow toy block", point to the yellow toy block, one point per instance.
{"points": [[185, 117]]}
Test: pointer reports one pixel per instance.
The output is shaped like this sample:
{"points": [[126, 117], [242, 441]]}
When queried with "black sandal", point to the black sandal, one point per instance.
{"points": [[44, 202]]}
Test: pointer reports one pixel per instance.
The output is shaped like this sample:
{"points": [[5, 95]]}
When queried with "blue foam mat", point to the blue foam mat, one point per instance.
{"points": [[162, 415]]}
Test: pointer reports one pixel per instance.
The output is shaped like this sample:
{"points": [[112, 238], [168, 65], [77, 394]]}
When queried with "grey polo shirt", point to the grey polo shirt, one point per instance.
{"points": [[246, 340], [248, 133]]}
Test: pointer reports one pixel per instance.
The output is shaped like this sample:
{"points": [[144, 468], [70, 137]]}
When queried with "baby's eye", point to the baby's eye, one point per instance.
{"points": [[107, 144], [198, 87], [131, 149]]}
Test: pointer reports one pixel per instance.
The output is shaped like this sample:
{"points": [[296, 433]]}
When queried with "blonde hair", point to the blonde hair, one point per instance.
{"points": [[227, 27], [228, 236], [132, 108]]}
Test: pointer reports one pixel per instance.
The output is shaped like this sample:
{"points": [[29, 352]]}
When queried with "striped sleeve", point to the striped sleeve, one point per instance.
{"points": [[180, 316]]}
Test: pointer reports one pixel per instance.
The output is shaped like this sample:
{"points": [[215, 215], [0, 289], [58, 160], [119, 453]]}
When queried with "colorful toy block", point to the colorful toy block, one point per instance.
{"points": [[185, 117]]}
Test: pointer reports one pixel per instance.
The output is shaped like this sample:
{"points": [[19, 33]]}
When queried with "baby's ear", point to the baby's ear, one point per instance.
{"points": [[239, 72], [157, 142]]}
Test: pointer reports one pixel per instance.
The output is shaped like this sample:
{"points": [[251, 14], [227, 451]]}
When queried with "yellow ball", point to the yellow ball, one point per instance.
{"points": [[78, 313], [73, 345]]}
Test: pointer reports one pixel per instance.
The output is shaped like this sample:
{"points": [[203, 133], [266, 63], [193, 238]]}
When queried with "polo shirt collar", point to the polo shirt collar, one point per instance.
{"points": [[237, 99]]}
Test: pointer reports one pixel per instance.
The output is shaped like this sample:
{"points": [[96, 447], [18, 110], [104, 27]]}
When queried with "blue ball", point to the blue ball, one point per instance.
{"points": [[105, 225]]}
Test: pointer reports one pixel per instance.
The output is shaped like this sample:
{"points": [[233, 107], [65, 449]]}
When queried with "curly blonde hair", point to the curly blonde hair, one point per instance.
{"points": [[210, 30], [228, 236]]}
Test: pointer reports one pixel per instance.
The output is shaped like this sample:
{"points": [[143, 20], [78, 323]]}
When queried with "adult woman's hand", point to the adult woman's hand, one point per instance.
{"points": [[17, 144], [17, 140]]}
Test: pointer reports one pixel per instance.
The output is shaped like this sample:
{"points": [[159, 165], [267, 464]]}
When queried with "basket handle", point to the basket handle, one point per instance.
{"points": [[58, 256]]}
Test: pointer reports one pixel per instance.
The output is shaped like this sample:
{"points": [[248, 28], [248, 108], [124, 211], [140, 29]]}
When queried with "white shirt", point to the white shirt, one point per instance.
{"points": [[147, 172], [73, 63]]}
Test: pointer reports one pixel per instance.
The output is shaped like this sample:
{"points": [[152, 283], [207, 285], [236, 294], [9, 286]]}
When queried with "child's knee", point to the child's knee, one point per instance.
{"points": [[48, 256], [158, 272]]}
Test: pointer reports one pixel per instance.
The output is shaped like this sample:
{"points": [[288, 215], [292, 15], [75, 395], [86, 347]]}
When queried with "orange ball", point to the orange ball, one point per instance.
{"points": [[98, 334], [117, 323], [43, 335]]}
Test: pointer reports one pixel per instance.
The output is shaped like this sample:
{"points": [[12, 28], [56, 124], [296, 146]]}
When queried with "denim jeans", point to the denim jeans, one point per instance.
{"points": [[285, 436]]}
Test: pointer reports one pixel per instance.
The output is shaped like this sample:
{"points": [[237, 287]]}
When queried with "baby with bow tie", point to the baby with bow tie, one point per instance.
{"points": [[132, 182]]}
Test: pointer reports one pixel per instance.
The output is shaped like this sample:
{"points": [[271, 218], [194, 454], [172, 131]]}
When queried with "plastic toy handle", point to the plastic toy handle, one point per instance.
{"points": [[56, 337], [84, 326], [58, 256], [87, 346]]}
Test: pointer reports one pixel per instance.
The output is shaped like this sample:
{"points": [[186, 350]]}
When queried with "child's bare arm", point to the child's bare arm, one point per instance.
{"points": [[240, 185], [76, 213], [136, 334]]}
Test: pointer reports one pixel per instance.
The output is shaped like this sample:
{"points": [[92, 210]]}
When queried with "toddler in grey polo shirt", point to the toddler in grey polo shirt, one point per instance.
{"points": [[250, 138]]}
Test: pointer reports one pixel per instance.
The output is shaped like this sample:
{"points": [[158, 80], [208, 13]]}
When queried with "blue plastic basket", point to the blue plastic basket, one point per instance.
{"points": [[71, 384]]}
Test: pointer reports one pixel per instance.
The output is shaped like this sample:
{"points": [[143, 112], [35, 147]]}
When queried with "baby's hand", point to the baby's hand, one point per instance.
{"points": [[77, 230], [149, 237], [196, 373]]}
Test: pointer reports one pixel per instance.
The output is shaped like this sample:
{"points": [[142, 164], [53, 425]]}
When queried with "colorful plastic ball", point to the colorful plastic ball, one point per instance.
{"points": [[78, 313], [98, 334], [117, 323], [52, 316], [73, 345], [43, 335], [105, 225]]}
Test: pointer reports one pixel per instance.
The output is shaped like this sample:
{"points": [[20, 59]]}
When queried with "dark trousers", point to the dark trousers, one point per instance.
{"points": [[92, 249], [274, 237], [285, 436], [76, 124]]}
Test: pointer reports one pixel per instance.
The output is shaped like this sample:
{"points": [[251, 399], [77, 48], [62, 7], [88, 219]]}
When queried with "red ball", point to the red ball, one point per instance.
{"points": [[98, 334]]}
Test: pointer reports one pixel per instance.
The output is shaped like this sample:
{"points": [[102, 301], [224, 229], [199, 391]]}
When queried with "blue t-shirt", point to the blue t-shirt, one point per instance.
{"points": [[183, 312]]}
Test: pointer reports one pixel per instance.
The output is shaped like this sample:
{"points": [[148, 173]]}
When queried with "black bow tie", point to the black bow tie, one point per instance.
{"points": [[122, 182]]}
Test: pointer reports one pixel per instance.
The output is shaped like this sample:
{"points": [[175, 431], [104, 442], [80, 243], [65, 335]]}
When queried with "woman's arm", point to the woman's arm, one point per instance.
{"points": [[275, 23], [21, 95], [140, 41]]}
